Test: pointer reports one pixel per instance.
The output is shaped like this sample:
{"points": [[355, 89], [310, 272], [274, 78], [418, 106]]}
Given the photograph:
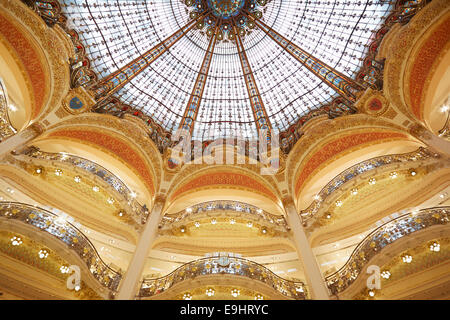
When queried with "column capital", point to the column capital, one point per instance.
{"points": [[287, 202], [160, 199]]}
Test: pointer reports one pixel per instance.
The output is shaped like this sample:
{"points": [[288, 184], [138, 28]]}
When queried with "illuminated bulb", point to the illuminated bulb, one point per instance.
{"points": [[77, 179], [16, 241], [12, 107], [120, 213], [407, 258], [95, 188], [182, 229], [299, 289], [338, 203], [213, 221], [58, 172], [197, 224], [443, 195], [259, 297], [187, 296], [188, 210], [235, 292], [264, 230], [413, 172], [133, 194], [249, 224], [317, 197], [435, 247], [372, 181], [354, 192], [232, 221], [259, 210], [43, 253], [393, 175], [64, 269], [110, 200], [38, 170], [210, 292], [371, 293], [445, 108], [328, 216], [385, 274], [77, 288]]}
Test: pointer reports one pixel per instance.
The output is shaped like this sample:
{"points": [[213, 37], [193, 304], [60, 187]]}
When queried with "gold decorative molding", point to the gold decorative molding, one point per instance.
{"points": [[398, 55], [52, 48]]}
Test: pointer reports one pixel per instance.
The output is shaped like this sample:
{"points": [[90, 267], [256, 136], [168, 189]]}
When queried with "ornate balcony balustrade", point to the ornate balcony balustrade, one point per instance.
{"points": [[224, 265], [6, 130], [225, 205], [382, 237], [67, 233], [359, 169], [137, 211]]}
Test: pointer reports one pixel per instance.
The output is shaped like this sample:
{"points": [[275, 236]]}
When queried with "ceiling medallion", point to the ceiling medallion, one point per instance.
{"points": [[226, 15]]}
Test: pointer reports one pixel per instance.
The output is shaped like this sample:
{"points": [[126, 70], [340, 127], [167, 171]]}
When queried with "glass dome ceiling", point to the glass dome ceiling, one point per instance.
{"points": [[115, 32]]}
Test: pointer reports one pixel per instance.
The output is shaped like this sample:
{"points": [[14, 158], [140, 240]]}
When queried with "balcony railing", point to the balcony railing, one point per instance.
{"points": [[225, 205], [51, 223], [382, 237], [223, 265], [138, 212], [6, 130], [359, 169]]}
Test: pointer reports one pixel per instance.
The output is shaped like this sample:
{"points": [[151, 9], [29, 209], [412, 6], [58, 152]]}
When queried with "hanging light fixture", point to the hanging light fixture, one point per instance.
{"points": [[235, 292], [43, 253]]}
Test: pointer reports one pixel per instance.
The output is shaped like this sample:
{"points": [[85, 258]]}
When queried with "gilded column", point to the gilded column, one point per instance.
{"points": [[130, 283], [314, 279]]}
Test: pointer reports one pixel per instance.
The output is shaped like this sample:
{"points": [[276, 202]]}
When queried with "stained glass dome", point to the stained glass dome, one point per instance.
{"points": [[334, 32]]}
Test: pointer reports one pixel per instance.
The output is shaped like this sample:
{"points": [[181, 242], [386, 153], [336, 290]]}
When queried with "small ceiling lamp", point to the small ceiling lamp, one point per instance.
{"points": [[58, 172], [385, 274], [64, 269], [96, 188], [187, 296], [210, 292], [16, 241], [235, 292], [407, 258], [197, 224], [43, 253], [259, 297], [393, 175], [339, 203], [371, 293], [213, 221], [77, 179], [188, 210], [110, 200], [435, 247], [232, 221], [372, 181], [264, 230], [183, 229], [354, 191]]}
